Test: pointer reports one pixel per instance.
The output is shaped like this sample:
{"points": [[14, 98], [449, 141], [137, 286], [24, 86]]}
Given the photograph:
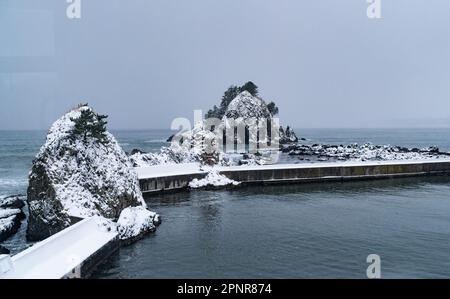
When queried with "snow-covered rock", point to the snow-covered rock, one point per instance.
{"points": [[13, 201], [247, 106], [191, 146], [287, 136], [11, 215], [167, 155], [9, 222], [363, 152], [212, 179], [134, 222], [204, 143], [74, 177]]}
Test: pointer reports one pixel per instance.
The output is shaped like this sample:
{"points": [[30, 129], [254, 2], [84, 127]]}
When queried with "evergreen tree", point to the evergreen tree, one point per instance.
{"points": [[231, 93], [250, 87], [90, 125], [273, 109]]}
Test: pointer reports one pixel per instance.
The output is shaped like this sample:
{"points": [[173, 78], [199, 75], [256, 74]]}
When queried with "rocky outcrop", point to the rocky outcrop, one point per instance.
{"points": [[79, 174], [10, 220], [12, 202], [287, 136], [11, 215], [246, 106], [136, 222], [364, 152]]}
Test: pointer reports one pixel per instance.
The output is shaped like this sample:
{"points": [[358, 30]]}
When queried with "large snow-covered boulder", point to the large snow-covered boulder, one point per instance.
{"points": [[196, 145], [287, 136], [74, 176], [212, 180], [135, 222], [247, 106]]}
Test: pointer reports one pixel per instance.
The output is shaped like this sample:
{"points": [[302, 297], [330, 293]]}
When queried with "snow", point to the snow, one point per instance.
{"points": [[247, 106], [77, 170], [135, 221], [168, 170], [9, 212], [187, 169], [364, 152], [85, 178], [6, 223], [192, 145], [174, 154], [213, 178]]}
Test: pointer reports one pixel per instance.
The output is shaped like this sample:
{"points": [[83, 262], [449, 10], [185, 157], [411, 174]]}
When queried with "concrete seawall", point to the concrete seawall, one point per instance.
{"points": [[72, 253], [156, 179]]}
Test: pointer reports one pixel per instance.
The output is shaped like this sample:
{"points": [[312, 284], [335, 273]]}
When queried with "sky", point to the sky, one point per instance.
{"points": [[145, 62]]}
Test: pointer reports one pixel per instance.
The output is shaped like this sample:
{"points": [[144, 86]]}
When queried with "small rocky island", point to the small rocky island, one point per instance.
{"points": [[81, 171], [241, 106]]}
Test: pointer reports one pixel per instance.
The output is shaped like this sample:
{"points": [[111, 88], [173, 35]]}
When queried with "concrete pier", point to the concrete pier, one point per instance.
{"points": [[157, 179], [72, 253]]}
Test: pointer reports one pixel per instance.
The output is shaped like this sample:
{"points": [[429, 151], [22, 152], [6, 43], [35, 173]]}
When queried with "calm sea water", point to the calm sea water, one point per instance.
{"points": [[313, 230]]}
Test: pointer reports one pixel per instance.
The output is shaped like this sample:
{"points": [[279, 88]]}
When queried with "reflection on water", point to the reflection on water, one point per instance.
{"points": [[310, 230]]}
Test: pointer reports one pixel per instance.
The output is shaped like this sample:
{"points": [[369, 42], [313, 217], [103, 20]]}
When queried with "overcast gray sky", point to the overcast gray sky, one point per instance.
{"points": [[145, 62]]}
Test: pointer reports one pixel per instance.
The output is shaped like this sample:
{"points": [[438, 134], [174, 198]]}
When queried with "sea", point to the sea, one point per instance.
{"points": [[325, 230]]}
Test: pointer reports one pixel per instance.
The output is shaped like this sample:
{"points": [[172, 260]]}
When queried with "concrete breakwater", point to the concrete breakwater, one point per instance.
{"points": [[72, 253], [157, 179]]}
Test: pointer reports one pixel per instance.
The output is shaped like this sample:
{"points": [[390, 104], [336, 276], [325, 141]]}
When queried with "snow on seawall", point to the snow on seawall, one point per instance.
{"points": [[212, 179]]}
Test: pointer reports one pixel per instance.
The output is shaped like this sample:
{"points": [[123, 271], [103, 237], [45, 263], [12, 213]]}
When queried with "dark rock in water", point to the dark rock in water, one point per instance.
{"points": [[4, 250], [136, 151], [402, 149], [287, 136], [170, 138], [12, 202], [157, 221], [431, 149]]}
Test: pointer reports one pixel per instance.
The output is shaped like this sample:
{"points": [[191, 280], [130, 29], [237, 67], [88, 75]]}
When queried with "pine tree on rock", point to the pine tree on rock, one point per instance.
{"points": [[272, 108], [250, 87], [90, 125]]}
